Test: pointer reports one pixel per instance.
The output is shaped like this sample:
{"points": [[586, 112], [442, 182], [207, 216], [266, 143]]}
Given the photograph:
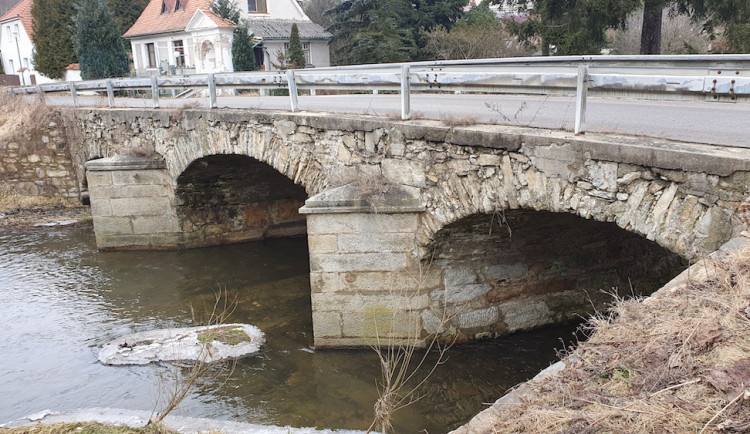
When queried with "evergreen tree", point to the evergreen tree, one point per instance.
{"points": [[52, 39], [296, 56], [572, 26], [227, 10], [97, 41], [125, 12], [731, 15], [373, 31], [243, 57]]}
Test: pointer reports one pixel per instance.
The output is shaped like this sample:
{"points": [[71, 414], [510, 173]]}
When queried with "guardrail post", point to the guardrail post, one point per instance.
{"points": [[110, 93], [74, 94], [155, 91], [405, 93], [292, 89], [212, 91], [582, 90]]}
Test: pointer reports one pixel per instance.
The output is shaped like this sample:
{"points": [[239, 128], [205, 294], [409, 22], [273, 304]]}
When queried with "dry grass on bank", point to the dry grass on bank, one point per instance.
{"points": [[84, 428], [10, 200], [677, 362], [18, 114]]}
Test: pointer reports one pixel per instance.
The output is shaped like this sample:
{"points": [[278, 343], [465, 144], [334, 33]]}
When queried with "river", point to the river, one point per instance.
{"points": [[61, 300]]}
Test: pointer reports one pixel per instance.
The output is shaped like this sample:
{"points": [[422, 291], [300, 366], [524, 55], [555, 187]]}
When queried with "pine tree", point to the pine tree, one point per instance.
{"points": [[52, 39], [243, 57], [296, 56], [97, 41], [125, 12], [227, 10]]}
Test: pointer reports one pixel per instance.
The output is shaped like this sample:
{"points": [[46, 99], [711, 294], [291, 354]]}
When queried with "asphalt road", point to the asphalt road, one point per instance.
{"points": [[714, 123]]}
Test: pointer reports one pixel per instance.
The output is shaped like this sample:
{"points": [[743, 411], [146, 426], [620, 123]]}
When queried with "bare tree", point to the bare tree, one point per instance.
{"points": [[679, 35]]}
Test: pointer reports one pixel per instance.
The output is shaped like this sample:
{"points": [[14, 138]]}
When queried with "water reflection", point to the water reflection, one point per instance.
{"points": [[60, 300]]}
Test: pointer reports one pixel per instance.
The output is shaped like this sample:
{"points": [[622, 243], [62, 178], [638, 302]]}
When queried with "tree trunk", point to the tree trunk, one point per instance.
{"points": [[651, 28]]}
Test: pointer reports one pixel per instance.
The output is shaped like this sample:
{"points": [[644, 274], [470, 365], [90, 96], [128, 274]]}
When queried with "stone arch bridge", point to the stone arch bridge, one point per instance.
{"points": [[416, 227]]}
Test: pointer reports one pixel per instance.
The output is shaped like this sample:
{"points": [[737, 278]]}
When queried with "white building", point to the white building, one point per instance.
{"points": [[185, 36], [16, 44]]}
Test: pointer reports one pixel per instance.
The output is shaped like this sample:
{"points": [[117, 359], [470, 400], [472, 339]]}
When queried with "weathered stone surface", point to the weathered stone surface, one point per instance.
{"points": [[205, 344]]}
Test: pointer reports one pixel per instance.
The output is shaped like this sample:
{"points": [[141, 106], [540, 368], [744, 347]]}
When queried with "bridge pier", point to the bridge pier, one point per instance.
{"points": [[132, 203], [365, 274]]}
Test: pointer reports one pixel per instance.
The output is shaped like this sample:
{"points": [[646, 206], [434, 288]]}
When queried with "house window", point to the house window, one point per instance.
{"points": [[305, 49], [26, 62], [178, 6], [179, 53], [257, 6], [151, 55], [12, 69], [164, 9], [10, 33]]}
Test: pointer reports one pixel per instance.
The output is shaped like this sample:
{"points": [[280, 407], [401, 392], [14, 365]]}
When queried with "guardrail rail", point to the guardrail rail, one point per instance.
{"points": [[704, 77]]}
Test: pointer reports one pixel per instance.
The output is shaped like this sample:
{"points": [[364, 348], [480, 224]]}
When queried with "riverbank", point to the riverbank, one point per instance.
{"points": [[678, 361], [24, 212]]}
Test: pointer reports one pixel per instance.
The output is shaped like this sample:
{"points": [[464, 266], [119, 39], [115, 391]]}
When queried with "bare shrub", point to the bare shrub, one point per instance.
{"points": [[473, 42], [185, 376], [405, 363]]}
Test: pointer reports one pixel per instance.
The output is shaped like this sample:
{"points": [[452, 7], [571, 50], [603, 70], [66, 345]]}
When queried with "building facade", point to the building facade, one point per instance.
{"points": [[175, 37]]}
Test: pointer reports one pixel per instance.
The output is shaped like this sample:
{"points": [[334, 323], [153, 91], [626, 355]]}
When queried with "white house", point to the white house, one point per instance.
{"points": [[16, 46], [185, 36]]}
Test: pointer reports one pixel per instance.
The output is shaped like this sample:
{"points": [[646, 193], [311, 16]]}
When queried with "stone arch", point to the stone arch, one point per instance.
{"points": [[523, 269], [630, 197], [226, 198], [263, 143]]}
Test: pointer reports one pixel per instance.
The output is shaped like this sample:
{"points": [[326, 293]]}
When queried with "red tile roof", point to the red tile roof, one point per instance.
{"points": [[22, 10], [152, 21]]}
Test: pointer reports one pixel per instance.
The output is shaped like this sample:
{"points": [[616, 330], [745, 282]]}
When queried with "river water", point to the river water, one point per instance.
{"points": [[61, 300]]}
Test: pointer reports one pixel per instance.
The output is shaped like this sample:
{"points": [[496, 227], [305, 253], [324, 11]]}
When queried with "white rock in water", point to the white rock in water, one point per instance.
{"points": [[207, 344]]}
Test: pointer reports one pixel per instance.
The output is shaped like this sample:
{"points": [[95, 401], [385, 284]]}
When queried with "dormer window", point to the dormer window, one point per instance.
{"points": [[164, 9], [178, 6], [257, 6]]}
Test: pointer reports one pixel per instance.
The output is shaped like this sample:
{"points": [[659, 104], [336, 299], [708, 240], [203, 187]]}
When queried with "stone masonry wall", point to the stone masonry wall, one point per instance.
{"points": [[681, 196], [523, 269], [225, 199], [38, 163], [645, 186]]}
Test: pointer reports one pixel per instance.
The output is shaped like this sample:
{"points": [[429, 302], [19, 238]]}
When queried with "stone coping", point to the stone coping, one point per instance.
{"points": [[125, 162], [365, 197]]}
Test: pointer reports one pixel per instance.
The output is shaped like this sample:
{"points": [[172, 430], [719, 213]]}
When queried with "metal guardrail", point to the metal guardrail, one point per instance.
{"points": [[705, 77]]}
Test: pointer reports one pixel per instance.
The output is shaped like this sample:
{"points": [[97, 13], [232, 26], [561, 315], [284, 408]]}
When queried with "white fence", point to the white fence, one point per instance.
{"points": [[705, 77]]}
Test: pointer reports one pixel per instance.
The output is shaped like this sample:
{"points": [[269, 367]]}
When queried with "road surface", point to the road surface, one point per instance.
{"points": [[714, 123]]}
